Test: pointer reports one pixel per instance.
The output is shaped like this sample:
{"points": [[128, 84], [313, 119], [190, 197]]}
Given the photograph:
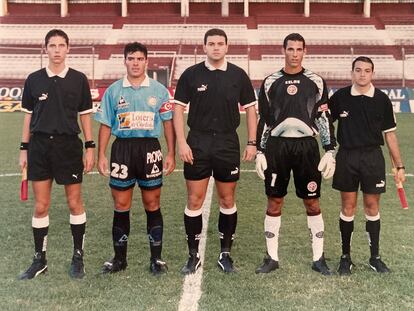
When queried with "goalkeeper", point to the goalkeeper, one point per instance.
{"points": [[293, 110]]}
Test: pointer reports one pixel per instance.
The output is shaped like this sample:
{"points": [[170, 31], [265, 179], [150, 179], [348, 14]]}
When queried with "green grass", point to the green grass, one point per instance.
{"points": [[293, 287]]}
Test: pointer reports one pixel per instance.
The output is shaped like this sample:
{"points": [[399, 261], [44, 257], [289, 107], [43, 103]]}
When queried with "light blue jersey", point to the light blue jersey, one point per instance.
{"points": [[135, 112]]}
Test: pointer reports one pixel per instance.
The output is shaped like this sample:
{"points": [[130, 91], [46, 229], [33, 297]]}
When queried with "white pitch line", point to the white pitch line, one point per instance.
{"points": [[192, 283]]}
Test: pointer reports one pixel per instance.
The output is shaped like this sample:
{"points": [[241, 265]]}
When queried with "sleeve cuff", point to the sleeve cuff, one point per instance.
{"points": [[390, 130], [250, 104], [86, 111], [180, 103]]}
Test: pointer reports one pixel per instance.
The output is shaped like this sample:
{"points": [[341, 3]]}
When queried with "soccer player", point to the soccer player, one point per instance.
{"points": [[135, 109], [364, 113], [214, 88], [53, 97], [293, 109]]}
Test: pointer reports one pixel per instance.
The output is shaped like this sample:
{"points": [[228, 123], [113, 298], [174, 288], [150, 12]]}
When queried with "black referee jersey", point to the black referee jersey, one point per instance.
{"points": [[300, 98], [56, 100], [214, 96], [361, 118]]}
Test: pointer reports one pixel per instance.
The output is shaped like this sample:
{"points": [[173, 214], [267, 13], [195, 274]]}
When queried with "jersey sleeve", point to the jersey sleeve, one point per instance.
{"points": [[247, 94], [182, 94], [27, 99], [105, 113], [262, 128], [333, 106], [167, 106], [389, 123], [86, 104], [324, 121]]}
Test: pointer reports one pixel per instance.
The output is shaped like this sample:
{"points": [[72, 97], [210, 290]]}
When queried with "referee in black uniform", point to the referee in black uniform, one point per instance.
{"points": [[364, 113], [214, 88], [53, 98], [293, 109]]}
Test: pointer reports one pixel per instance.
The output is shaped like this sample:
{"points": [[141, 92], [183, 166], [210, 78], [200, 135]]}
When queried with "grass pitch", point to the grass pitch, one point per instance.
{"points": [[293, 287]]}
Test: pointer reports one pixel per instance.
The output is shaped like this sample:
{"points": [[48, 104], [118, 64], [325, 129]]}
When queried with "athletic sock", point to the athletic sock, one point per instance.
{"points": [[227, 227], [346, 227], [40, 228], [78, 227], [120, 233], [316, 226], [155, 231], [193, 222], [373, 227], [271, 228]]}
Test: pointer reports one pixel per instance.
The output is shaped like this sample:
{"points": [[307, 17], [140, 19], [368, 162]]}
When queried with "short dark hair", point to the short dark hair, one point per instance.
{"points": [[135, 47], [364, 59], [293, 37], [215, 32], [54, 33]]}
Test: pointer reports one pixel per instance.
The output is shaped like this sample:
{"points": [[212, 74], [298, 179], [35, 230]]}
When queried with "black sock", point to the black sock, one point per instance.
{"points": [[40, 240], [120, 232], [227, 227], [373, 230], [78, 233], [346, 228], [193, 228], [155, 230]]}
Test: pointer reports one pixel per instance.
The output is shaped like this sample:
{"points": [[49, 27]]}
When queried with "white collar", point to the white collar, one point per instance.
{"points": [[369, 93], [62, 74], [126, 83], [210, 67]]}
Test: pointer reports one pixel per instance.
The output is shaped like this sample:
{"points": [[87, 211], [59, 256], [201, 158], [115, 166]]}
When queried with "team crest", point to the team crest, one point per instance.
{"points": [[292, 89], [152, 101], [312, 186]]}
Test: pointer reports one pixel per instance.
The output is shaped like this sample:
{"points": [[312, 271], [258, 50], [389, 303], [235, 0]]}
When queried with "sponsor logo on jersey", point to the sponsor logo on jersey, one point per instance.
{"points": [[152, 101], [312, 186], [166, 107], [43, 96], [122, 104], [381, 184], [136, 120], [323, 107], [292, 89], [154, 157], [344, 114], [292, 82], [235, 171], [202, 88]]}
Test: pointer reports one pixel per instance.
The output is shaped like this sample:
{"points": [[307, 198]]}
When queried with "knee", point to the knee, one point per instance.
{"points": [[151, 206], [226, 202], [75, 205], [348, 209], [195, 201], [41, 209], [274, 206], [312, 207]]}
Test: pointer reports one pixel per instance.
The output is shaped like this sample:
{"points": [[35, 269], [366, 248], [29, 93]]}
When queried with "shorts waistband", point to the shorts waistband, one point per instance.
{"points": [[292, 138], [136, 138], [364, 148], [213, 132], [55, 136]]}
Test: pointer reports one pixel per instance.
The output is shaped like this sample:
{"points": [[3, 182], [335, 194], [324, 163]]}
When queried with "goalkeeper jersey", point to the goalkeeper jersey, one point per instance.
{"points": [[135, 112], [294, 105]]}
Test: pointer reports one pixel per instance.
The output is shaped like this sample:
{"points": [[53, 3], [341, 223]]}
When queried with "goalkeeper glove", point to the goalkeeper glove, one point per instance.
{"points": [[261, 164], [327, 164]]}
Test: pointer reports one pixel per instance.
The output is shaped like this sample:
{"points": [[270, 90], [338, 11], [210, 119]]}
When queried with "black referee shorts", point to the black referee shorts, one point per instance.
{"points": [[136, 160], [300, 155], [56, 157], [214, 153], [364, 166]]}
